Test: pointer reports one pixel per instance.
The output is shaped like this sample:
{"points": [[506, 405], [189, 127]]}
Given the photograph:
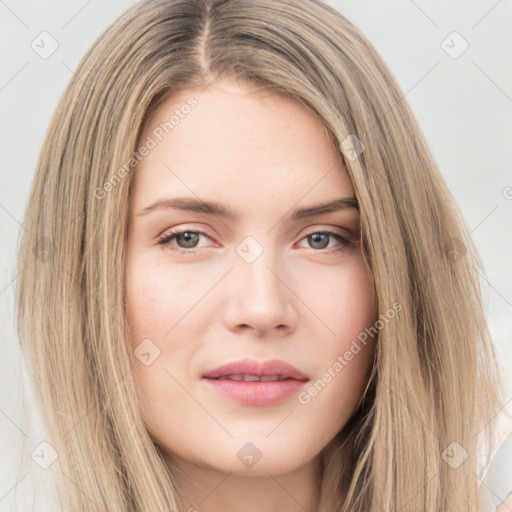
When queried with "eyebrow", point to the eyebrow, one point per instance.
{"points": [[219, 210]]}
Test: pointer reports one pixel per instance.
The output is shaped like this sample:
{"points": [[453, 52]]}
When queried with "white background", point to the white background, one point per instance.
{"points": [[463, 105]]}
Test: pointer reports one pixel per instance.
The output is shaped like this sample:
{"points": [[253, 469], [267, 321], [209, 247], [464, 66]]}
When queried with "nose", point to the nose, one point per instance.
{"points": [[261, 299]]}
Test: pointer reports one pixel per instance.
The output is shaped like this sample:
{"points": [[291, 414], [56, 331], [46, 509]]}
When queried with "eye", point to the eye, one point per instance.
{"points": [[320, 240], [187, 240]]}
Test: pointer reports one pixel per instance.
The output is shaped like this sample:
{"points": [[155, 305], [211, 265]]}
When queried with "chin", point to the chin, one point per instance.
{"points": [[257, 457]]}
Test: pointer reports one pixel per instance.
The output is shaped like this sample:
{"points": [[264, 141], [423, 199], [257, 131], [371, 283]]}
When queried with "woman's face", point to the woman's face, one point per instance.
{"points": [[264, 284]]}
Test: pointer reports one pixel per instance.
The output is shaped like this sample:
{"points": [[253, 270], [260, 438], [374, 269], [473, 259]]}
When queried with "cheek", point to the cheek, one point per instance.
{"points": [[353, 311], [156, 300], [346, 306], [344, 301], [157, 303], [155, 387]]}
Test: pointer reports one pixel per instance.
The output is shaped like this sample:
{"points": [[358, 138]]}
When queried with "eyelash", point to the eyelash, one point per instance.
{"points": [[166, 239]]}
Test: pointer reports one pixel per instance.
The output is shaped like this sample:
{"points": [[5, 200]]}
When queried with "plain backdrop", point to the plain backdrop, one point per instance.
{"points": [[450, 59]]}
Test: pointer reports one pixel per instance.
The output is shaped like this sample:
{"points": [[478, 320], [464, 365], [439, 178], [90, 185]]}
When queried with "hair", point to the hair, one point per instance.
{"points": [[434, 379]]}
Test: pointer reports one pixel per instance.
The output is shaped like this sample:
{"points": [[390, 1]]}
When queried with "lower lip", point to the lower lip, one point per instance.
{"points": [[257, 392]]}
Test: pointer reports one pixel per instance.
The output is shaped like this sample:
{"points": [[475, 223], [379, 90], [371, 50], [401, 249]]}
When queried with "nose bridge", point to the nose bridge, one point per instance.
{"points": [[261, 298], [257, 268]]}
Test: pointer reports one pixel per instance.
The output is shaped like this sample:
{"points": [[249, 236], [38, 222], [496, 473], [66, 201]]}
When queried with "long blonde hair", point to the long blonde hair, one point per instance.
{"points": [[434, 385]]}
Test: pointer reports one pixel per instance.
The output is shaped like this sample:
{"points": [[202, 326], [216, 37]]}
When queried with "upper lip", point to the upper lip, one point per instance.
{"points": [[251, 367]]}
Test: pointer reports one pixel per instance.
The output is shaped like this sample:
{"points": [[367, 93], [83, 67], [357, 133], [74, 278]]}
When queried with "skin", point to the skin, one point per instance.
{"points": [[300, 301]]}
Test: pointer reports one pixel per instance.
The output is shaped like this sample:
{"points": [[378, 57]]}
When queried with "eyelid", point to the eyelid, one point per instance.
{"points": [[180, 228], [310, 230], [336, 229]]}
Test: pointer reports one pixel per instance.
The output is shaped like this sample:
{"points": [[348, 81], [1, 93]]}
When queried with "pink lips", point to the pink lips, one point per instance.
{"points": [[239, 380]]}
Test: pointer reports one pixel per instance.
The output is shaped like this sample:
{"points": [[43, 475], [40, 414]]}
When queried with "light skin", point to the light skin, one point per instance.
{"points": [[303, 300]]}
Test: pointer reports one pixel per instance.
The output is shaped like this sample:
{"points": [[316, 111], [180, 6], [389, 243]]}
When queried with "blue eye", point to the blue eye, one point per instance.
{"points": [[319, 237], [186, 240]]}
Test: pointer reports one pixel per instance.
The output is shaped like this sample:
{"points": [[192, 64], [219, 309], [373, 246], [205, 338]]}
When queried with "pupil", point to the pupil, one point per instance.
{"points": [[315, 238], [187, 236]]}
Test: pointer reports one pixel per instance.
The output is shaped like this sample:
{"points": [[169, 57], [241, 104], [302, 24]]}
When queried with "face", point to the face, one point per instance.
{"points": [[206, 289]]}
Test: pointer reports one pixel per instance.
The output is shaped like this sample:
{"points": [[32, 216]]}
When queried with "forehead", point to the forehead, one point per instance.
{"points": [[242, 145]]}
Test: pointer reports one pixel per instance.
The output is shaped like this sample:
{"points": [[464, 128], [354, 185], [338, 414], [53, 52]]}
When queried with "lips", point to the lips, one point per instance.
{"points": [[251, 383], [248, 370], [252, 378]]}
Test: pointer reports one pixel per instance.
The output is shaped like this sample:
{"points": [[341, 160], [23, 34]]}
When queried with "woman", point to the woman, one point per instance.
{"points": [[257, 370]]}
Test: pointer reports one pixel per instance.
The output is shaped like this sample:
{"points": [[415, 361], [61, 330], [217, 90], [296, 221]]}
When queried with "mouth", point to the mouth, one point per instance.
{"points": [[251, 370], [252, 383], [251, 378]]}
